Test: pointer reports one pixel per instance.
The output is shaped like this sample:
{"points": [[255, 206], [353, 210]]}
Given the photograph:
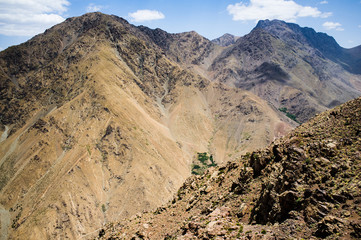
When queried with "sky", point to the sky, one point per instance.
{"points": [[22, 19]]}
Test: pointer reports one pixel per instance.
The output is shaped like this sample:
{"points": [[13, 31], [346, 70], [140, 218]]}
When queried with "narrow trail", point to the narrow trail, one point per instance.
{"points": [[4, 223], [4, 135], [160, 99]]}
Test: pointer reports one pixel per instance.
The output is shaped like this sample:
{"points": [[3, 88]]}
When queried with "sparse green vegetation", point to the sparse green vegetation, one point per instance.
{"points": [[103, 208], [288, 114], [203, 162], [88, 149]]}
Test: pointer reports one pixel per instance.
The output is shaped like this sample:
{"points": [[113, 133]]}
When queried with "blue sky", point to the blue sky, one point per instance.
{"points": [[22, 19]]}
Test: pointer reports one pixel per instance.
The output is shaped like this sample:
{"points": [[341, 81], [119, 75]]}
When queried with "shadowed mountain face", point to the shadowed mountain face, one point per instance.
{"points": [[291, 67], [101, 120], [349, 59]]}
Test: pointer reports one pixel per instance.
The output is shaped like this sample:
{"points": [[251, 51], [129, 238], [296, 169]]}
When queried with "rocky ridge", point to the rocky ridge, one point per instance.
{"points": [[304, 186]]}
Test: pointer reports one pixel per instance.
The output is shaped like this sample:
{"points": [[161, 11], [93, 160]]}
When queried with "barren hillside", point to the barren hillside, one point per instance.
{"points": [[98, 124]]}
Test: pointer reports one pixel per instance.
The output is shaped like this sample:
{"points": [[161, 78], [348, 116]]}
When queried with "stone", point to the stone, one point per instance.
{"points": [[327, 226], [215, 228]]}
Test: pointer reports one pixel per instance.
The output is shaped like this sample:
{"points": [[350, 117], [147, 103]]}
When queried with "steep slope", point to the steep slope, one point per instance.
{"points": [[303, 186], [293, 68], [188, 49], [98, 123]]}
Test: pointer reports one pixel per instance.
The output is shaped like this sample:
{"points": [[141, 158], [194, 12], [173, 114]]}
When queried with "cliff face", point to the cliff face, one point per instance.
{"points": [[305, 185], [100, 121]]}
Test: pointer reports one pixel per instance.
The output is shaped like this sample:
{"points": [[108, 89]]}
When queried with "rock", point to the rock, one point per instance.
{"points": [[356, 225], [331, 145], [346, 214], [242, 210], [288, 201], [339, 198], [334, 170], [215, 228], [322, 161], [221, 212], [257, 163], [327, 226]]}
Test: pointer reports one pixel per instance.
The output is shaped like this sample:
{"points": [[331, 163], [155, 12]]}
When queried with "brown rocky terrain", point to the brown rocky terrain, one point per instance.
{"points": [[98, 123], [306, 185]]}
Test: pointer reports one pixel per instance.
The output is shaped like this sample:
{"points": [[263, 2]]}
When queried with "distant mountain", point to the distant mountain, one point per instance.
{"points": [[293, 68], [304, 186], [350, 59], [225, 40]]}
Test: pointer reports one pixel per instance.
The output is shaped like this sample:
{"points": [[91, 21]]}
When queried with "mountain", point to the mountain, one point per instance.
{"points": [[326, 45], [101, 120], [295, 69], [303, 186], [225, 40]]}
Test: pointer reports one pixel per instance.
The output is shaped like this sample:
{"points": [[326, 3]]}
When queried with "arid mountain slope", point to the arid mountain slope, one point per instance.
{"points": [[303, 186], [98, 123]]}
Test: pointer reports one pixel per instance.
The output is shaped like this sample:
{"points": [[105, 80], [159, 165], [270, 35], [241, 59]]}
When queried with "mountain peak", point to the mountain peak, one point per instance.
{"points": [[265, 23], [225, 40], [293, 34]]}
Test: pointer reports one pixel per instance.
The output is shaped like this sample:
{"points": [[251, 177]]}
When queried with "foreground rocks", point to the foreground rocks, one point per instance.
{"points": [[306, 185]]}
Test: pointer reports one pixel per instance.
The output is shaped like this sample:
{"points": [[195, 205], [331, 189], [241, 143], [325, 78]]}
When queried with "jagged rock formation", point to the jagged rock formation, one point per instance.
{"points": [[304, 186], [225, 40], [101, 119]]}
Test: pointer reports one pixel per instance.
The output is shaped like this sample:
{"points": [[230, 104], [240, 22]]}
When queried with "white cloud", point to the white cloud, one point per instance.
{"points": [[333, 25], [359, 26], [145, 15], [30, 17], [94, 8], [286, 10], [323, 2]]}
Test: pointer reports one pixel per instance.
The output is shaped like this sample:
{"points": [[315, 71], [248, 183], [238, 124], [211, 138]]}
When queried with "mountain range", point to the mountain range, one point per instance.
{"points": [[101, 119]]}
